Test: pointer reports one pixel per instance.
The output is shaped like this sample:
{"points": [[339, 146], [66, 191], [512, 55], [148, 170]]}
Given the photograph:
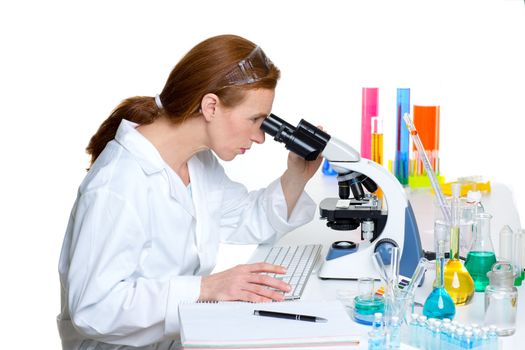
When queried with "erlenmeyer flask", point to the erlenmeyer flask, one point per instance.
{"points": [[481, 256]]}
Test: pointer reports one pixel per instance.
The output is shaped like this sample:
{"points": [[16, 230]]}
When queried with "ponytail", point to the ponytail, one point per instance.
{"points": [[139, 109]]}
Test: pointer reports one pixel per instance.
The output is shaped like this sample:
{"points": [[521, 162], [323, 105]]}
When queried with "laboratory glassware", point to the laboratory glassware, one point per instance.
{"points": [[481, 256], [402, 137], [426, 119], [369, 109], [428, 167], [458, 282], [501, 299], [366, 304], [377, 140], [439, 304], [377, 335], [519, 255], [505, 243]]}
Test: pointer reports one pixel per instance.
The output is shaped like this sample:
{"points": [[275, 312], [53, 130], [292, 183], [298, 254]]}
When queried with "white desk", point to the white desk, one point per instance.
{"points": [[500, 204]]}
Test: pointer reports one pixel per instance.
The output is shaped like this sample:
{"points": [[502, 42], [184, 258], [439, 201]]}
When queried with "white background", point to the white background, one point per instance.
{"points": [[66, 65]]}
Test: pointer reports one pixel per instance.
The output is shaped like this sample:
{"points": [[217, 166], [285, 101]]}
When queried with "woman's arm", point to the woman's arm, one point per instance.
{"points": [[294, 179]]}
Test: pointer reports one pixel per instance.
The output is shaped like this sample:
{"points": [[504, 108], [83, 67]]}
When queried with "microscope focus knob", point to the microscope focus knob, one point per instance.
{"points": [[384, 247]]}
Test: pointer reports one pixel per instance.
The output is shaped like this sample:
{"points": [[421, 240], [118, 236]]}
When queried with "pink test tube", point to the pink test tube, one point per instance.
{"points": [[369, 110]]}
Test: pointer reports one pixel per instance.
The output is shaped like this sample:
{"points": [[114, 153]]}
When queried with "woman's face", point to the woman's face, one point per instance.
{"points": [[234, 130]]}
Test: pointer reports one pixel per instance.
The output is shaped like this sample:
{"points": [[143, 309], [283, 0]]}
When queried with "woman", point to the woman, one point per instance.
{"points": [[149, 216]]}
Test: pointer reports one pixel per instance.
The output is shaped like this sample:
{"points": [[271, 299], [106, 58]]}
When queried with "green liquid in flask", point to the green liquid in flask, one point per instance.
{"points": [[478, 264]]}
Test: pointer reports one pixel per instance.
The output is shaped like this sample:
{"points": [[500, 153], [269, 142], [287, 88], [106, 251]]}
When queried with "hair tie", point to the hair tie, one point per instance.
{"points": [[158, 102]]}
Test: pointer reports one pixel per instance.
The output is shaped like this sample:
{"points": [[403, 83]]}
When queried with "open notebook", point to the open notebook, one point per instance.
{"points": [[233, 325]]}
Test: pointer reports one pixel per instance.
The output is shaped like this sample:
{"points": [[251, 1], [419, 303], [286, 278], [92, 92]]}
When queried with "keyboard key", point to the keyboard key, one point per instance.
{"points": [[299, 261]]}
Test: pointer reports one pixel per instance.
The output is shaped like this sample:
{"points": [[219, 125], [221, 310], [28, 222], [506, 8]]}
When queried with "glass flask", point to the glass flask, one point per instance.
{"points": [[439, 304], [481, 256], [501, 299], [458, 282]]}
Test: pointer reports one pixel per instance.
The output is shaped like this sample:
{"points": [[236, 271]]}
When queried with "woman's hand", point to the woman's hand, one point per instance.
{"points": [[302, 170], [244, 283]]}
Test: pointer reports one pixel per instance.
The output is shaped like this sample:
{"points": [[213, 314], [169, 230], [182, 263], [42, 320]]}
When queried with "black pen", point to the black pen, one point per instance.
{"points": [[289, 316]]}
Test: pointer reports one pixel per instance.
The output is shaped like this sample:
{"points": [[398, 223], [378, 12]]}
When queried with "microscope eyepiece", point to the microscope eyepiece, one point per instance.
{"points": [[278, 128], [305, 140]]}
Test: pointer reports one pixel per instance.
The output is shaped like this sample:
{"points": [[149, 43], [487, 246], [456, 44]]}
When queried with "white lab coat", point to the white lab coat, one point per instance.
{"points": [[138, 241]]}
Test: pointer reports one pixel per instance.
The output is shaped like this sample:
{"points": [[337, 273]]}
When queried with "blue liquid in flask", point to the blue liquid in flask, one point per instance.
{"points": [[439, 304]]}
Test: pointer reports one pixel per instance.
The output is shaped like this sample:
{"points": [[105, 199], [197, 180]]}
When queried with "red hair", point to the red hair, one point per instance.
{"points": [[201, 71]]}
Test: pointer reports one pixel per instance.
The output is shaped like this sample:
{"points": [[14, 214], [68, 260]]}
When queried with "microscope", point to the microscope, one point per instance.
{"points": [[383, 226]]}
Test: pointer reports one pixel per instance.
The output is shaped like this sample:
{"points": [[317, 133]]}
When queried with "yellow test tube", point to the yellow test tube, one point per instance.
{"points": [[377, 145], [377, 140]]}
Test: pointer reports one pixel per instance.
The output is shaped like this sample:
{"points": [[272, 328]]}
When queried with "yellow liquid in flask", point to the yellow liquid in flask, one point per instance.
{"points": [[458, 282]]}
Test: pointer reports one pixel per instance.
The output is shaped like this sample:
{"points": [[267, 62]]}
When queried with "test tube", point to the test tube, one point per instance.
{"points": [[377, 140], [394, 264], [402, 138], [506, 243], [519, 254], [369, 109]]}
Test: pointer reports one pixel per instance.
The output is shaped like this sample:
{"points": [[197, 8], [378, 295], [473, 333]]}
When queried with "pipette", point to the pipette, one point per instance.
{"points": [[428, 168]]}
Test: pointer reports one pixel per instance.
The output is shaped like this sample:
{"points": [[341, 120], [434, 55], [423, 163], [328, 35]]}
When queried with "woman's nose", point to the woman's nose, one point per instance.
{"points": [[258, 136]]}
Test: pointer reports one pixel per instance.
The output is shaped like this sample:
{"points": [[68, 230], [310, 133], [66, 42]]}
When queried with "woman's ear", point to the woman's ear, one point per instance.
{"points": [[209, 104]]}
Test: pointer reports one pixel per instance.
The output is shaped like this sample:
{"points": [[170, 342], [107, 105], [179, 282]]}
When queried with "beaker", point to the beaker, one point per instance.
{"points": [[466, 224], [398, 303], [481, 256], [366, 303]]}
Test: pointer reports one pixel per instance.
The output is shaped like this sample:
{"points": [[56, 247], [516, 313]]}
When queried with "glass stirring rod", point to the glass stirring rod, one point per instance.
{"points": [[428, 168]]}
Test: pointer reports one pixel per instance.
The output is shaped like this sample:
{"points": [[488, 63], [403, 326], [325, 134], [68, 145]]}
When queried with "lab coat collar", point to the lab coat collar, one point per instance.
{"points": [[151, 162], [146, 154]]}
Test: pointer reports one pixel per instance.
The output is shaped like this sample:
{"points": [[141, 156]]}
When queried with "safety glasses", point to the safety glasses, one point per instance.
{"points": [[251, 69]]}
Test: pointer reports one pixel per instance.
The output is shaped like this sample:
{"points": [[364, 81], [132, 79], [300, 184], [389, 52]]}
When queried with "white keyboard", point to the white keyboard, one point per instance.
{"points": [[299, 261]]}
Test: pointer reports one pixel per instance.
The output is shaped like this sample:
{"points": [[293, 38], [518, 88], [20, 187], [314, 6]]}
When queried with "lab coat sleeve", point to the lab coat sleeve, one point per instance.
{"points": [[107, 301], [260, 216]]}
